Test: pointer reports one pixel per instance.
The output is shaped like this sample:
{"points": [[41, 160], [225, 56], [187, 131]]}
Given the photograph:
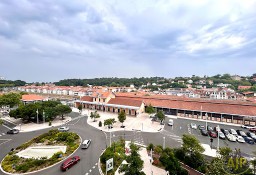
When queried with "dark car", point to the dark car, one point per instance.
{"points": [[209, 128], [212, 134], [225, 132], [241, 133], [13, 131], [249, 140], [200, 127], [204, 132], [252, 135], [69, 163]]}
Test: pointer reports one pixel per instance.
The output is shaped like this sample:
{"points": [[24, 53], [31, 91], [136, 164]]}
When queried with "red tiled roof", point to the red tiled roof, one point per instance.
{"points": [[125, 101], [214, 106], [86, 98], [32, 97]]}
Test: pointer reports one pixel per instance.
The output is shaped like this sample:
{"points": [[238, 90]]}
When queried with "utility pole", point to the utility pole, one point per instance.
{"points": [[218, 144], [206, 115]]}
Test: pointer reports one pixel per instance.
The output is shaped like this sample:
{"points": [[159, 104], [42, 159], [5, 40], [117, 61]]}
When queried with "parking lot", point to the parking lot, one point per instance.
{"points": [[182, 126]]}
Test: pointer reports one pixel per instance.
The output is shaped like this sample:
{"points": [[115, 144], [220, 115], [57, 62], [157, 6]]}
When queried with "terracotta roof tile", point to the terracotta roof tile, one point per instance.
{"points": [[32, 97], [86, 98], [125, 101]]}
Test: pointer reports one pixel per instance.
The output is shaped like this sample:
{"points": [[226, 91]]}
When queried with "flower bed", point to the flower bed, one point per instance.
{"points": [[12, 163]]}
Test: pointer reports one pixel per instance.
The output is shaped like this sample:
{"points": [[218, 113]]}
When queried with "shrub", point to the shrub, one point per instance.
{"points": [[50, 123], [100, 124]]}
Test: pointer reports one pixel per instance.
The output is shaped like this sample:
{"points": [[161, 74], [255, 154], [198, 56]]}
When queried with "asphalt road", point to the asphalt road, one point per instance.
{"points": [[89, 157]]}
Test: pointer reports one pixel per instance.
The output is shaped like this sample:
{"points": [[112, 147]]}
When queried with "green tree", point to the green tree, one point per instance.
{"points": [[134, 163], [80, 107], [11, 99], [62, 110], [1, 122], [171, 164], [150, 109], [160, 115], [122, 117], [109, 122], [191, 144], [94, 115]]}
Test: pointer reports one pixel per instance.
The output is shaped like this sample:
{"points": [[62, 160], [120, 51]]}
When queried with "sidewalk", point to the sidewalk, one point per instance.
{"points": [[34, 126], [147, 166], [141, 122]]}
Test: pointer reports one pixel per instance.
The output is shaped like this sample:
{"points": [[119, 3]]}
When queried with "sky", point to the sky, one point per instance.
{"points": [[46, 40]]}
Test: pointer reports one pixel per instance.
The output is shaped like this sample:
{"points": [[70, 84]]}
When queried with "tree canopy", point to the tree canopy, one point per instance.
{"points": [[122, 117], [51, 109], [11, 99]]}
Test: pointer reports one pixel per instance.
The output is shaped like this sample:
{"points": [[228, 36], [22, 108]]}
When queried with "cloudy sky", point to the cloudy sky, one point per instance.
{"points": [[46, 40]]}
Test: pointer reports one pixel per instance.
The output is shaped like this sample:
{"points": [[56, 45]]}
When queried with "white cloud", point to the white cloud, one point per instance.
{"points": [[134, 36]]}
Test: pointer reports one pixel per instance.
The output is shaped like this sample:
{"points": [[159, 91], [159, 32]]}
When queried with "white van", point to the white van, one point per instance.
{"points": [[170, 123], [86, 144]]}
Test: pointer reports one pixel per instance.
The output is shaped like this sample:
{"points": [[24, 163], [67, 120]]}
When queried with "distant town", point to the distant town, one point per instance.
{"points": [[219, 87]]}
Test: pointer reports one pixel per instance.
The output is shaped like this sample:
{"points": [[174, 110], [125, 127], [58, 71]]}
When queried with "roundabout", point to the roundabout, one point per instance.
{"points": [[41, 152]]}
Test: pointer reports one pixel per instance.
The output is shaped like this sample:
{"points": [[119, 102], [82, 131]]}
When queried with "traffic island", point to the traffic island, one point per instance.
{"points": [[40, 152]]}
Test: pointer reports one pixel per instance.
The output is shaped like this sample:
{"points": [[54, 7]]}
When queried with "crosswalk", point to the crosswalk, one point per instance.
{"points": [[171, 135], [137, 138], [2, 134]]}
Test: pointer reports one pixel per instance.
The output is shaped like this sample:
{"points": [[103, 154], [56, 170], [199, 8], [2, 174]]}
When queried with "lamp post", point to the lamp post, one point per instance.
{"points": [[206, 115], [218, 144], [37, 121], [163, 142]]}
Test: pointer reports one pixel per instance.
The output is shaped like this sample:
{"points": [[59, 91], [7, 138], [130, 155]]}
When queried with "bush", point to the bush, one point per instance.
{"points": [[50, 123], [100, 124]]}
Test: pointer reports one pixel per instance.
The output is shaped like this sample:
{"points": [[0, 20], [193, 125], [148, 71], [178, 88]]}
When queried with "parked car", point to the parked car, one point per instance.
{"points": [[13, 131], [200, 127], [204, 132], [225, 131], [240, 139], [209, 128], [249, 140], [231, 137], [252, 135], [221, 135], [212, 134], [69, 163], [170, 122], [241, 133], [193, 126], [252, 129], [248, 126], [63, 128], [86, 144], [232, 131]]}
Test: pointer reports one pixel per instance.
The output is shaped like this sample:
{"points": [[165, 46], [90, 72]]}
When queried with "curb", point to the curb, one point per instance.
{"points": [[43, 168], [99, 167]]}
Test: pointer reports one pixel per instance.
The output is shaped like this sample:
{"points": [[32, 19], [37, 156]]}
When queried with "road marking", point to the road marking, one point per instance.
{"points": [[96, 163], [86, 173], [6, 140], [93, 167], [90, 170], [7, 127], [0, 135]]}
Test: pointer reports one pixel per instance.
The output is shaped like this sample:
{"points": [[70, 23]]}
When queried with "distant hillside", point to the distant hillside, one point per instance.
{"points": [[109, 81], [10, 83]]}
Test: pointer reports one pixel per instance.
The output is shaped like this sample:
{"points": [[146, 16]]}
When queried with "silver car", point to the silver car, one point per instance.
{"points": [[63, 128]]}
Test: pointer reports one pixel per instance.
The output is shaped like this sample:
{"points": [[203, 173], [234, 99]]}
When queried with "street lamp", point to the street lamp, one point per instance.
{"points": [[164, 143]]}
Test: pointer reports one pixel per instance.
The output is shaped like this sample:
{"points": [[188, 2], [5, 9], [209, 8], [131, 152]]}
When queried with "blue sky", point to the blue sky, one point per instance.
{"points": [[51, 40]]}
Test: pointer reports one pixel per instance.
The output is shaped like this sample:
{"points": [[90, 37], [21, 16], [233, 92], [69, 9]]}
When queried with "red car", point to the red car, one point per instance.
{"points": [[69, 163], [252, 129], [212, 134]]}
